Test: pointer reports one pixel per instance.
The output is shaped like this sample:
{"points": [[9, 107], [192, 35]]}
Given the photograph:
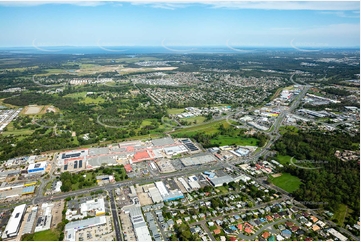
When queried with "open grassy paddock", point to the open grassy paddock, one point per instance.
{"points": [[287, 182], [198, 119], [46, 235], [341, 213], [284, 159], [227, 140], [12, 131], [208, 128], [175, 110]]}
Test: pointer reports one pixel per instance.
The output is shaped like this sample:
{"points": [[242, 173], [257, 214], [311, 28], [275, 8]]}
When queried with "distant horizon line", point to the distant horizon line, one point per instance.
{"points": [[198, 46]]}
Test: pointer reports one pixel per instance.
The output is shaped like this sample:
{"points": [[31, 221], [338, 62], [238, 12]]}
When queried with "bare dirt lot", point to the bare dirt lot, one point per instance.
{"points": [[144, 199], [31, 110], [277, 175], [56, 212]]}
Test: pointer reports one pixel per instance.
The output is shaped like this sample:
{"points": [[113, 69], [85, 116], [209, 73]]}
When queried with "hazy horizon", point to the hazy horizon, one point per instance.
{"points": [[192, 23]]}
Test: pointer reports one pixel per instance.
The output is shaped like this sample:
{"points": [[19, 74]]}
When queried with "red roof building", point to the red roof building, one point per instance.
{"points": [[266, 234], [128, 168], [141, 156], [217, 231], [240, 227], [248, 230]]}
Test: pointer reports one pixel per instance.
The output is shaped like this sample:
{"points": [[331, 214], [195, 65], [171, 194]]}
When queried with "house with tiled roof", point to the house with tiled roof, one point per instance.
{"points": [[289, 224], [266, 235], [248, 230], [313, 218], [217, 231], [294, 228], [315, 227], [240, 227]]}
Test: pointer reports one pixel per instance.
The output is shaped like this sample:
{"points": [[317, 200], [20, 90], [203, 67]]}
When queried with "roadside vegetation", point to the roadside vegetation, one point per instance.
{"points": [[84, 179]]}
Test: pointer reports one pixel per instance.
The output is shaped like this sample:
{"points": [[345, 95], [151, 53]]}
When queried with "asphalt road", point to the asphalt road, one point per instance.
{"points": [[117, 229]]}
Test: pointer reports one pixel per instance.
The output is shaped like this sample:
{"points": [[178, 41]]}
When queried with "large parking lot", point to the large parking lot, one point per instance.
{"points": [[127, 227], [96, 233]]}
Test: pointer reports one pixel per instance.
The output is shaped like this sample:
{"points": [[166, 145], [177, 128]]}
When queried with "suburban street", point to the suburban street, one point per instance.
{"points": [[117, 229]]}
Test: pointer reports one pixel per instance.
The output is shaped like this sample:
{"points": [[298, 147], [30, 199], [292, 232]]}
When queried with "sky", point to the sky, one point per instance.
{"points": [[180, 23]]}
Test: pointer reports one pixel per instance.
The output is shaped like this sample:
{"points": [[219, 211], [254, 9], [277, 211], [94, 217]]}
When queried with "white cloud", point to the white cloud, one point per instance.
{"points": [[37, 3], [235, 4], [342, 14], [287, 5]]}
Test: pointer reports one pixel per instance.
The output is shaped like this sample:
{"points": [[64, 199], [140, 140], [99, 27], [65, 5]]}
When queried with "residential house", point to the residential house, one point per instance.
{"points": [[170, 223], [313, 218], [266, 235], [280, 238], [240, 227], [217, 231], [294, 228], [219, 222], [315, 227], [286, 233]]}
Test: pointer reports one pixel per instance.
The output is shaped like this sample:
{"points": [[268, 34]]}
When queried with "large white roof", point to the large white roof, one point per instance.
{"points": [[39, 165], [162, 189], [14, 221]]}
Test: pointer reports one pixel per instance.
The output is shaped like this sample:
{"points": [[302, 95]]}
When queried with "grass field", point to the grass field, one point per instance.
{"points": [[76, 95], [284, 159], [340, 214], [277, 93], [287, 182], [222, 189], [85, 99], [175, 110], [198, 119], [47, 235], [290, 128], [12, 131], [169, 122], [97, 100], [208, 128], [227, 140]]}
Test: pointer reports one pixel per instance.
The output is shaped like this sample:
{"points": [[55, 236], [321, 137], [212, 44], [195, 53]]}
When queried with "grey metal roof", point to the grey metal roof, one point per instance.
{"points": [[163, 141]]}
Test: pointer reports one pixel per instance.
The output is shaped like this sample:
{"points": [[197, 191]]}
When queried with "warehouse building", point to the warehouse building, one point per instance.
{"points": [[192, 181], [155, 195], [139, 225], [185, 184], [219, 181], [197, 160], [29, 223], [14, 223], [168, 196], [242, 151], [37, 168], [173, 195]]}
